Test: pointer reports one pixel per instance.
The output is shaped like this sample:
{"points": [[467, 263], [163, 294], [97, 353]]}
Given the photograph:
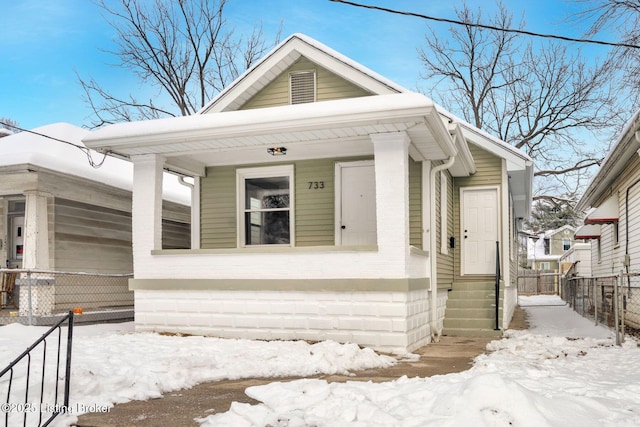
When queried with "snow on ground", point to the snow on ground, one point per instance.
{"points": [[564, 371], [111, 364]]}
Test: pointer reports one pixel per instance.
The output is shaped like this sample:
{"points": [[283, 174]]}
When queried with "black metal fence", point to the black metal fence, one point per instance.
{"points": [[613, 301], [34, 391], [39, 297]]}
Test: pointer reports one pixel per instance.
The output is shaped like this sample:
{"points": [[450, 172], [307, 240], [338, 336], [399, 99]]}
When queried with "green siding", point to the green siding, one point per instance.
{"points": [[415, 204], [445, 261], [488, 169], [218, 208], [329, 86], [488, 173], [314, 207]]}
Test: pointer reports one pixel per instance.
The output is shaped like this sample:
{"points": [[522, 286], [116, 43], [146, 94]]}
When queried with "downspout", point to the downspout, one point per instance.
{"points": [[432, 245]]}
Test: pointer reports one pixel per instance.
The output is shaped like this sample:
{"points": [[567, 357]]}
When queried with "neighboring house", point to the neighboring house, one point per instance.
{"points": [[612, 204], [57, 212], [578, 256], [332, 204], [545, 249]]}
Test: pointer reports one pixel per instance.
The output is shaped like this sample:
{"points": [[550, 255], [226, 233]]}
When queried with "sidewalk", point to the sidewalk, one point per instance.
{"points": [[449, 355]]}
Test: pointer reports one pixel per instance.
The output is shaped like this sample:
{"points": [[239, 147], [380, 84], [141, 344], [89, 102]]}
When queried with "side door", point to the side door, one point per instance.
{"points": [[479, 222]]}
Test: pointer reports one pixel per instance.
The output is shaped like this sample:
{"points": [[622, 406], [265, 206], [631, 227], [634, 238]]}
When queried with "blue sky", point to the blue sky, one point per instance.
{"points": [[45, 43]]}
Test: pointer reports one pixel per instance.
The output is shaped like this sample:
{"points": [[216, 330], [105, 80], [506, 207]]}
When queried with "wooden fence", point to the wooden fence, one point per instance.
{"points": [[538, 282]]}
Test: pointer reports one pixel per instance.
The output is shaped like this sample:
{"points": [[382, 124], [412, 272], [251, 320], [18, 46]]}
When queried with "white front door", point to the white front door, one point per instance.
{"points": [[479, 209], [355, 203]]}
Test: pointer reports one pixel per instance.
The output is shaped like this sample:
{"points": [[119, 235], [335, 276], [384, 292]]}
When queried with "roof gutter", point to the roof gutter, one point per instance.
{"points": [[435, 334]]}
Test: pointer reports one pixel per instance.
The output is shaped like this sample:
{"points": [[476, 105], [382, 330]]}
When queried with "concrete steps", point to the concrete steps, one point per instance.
{"points": [[471, 310]]}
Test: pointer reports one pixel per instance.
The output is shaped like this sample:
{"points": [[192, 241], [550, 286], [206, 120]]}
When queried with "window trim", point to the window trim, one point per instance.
{"points": [[263, 172]]}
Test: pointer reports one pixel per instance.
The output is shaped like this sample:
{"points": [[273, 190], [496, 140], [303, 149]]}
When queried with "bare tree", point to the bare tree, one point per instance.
{"points": [[186, 50], [539, 97], [621, 17], [8, 126]]}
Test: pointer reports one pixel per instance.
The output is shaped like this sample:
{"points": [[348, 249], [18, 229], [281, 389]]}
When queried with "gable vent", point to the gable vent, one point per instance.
{"points": [[303, 87]]}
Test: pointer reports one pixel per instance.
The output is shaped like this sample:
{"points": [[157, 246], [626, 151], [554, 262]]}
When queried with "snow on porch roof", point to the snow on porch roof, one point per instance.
{"points": [[606, 213], [38, 150], [193, 136], [588, 231]]}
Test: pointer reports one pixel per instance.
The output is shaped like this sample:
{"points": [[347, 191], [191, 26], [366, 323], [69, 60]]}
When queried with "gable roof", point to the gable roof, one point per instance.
{"points": [[284, 55], [626, 146], [535, 247]]}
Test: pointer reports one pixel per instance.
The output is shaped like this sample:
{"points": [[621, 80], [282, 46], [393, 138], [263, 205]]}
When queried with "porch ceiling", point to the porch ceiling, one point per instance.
{"points": [[322, 129]]}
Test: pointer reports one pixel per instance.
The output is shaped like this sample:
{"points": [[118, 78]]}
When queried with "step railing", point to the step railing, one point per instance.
{"points": [[20, 406], [497, 328]]}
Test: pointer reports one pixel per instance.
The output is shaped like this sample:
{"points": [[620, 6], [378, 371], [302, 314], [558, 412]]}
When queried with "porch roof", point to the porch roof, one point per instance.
{"points": [[606, 213], [588, 231], [314, 130]]}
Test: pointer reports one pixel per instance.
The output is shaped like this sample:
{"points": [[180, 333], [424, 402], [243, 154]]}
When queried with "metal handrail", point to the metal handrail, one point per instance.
{"points": [[498, 274], [27, 354]]}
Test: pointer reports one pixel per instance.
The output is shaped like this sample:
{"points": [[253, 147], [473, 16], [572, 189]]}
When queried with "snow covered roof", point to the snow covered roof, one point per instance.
{"points": [[283, 56], [38, 150], [314, 129], [535, 248], [519, 165]]}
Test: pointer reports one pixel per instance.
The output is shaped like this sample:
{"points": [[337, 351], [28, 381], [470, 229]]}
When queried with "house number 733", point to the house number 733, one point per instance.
{"points": [[316, 185]]}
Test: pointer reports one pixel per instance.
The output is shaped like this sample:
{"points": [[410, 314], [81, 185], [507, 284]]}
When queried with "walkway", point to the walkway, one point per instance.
{"points": [[180, 408]]}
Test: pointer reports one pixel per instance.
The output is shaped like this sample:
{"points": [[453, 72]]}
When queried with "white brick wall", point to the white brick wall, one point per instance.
{"points": [[387, 321]]}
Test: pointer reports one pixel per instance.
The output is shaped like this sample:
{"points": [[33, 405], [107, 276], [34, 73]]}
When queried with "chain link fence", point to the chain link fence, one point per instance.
{"points": [[38, 297], [613, 301]]}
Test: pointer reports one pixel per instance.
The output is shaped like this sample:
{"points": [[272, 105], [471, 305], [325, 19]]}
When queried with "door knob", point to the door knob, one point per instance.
{"points": [[343, 227]]}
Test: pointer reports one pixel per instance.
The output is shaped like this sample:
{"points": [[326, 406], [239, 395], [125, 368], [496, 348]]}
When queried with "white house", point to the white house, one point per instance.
{"points": [[612, 206], [332, 204]]}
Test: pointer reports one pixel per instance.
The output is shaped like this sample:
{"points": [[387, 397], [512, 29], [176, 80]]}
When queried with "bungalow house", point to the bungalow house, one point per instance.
{"points": [[332, 204], [57, 212]]}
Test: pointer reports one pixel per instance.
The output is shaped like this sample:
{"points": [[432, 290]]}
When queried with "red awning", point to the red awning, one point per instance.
{"points": [[606, 213], [589, 231]]}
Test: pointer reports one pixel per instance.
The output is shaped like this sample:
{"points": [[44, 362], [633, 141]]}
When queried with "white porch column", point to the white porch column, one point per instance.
{"points": [[147, 205], [36, 231], [391, 152]]}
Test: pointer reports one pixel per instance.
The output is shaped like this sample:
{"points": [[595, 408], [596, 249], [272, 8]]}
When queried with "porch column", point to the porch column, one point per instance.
{"points": [[36, 231], [391, 152], [147, 204]]}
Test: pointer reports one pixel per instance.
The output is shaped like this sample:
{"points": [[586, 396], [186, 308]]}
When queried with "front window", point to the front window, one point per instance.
{"points": [[265, 205], [566, 244]]}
